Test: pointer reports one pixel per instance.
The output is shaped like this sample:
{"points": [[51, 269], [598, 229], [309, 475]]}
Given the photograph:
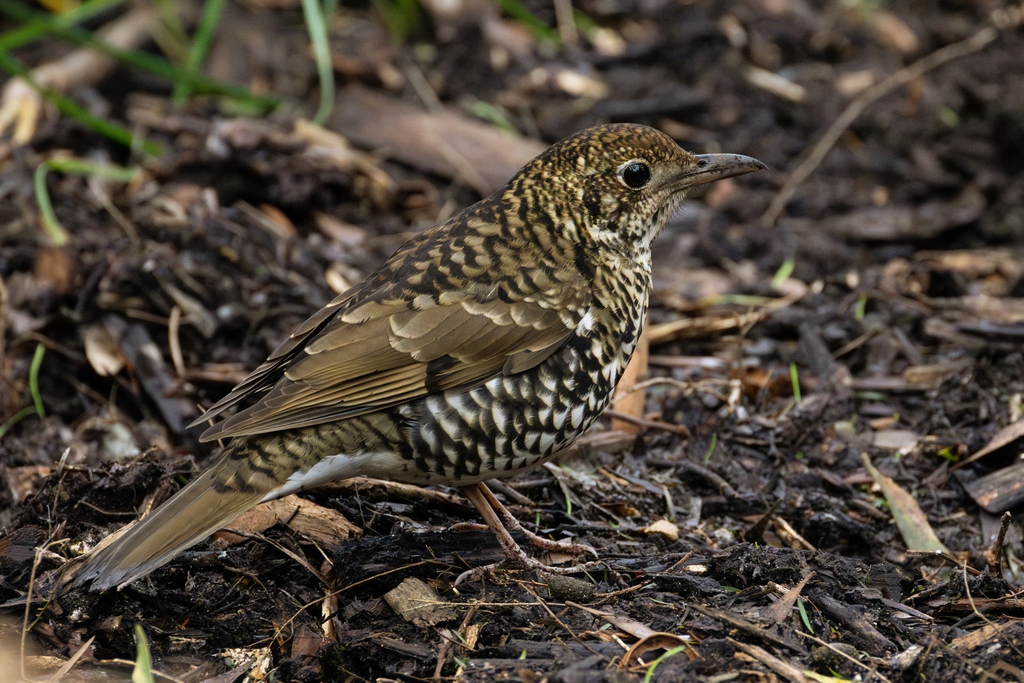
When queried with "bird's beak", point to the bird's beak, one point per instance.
{"points": [[709, 167]]}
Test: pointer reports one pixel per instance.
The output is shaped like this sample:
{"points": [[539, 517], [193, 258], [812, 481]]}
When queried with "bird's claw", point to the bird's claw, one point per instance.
{"points": [[523, 563]]}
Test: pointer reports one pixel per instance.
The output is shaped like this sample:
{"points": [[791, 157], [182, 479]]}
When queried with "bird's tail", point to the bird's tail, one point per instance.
{"points": [[234, 484]]}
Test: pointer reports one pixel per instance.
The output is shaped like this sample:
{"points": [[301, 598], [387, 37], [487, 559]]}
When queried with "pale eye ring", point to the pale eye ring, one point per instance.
{"points": [[635, 174]]}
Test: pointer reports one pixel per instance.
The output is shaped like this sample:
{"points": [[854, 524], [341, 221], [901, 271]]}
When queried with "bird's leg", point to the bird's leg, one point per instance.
{"points": [[515, 557], [512, 524]]}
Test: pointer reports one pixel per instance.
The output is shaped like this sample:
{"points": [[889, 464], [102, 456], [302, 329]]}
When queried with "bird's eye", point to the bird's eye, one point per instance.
{"points": [[635, 174]]}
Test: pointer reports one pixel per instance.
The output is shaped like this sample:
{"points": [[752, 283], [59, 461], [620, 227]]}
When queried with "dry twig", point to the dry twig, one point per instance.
{"points": [[857, 107]]}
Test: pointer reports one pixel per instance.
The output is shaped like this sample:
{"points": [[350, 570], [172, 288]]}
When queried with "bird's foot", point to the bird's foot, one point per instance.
{"points": [[494, 513], [521, 562], [563, 546]]}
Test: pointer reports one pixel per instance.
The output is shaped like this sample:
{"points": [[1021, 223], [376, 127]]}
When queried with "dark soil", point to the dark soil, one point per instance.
{"points": [[875, 321]]}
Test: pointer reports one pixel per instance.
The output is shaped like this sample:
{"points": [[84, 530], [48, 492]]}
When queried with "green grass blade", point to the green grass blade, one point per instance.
{"points": [[81, 167], [52, 226], [783, 273], [400, 16], [212, 11], [50, 223], [69, 107], [143, 672], [803, 616], [711, 448], [18, 417], [134, 58], [316, 24], [517, 10], [33, 380], [169, 18], [40, 23], [671, 653]]}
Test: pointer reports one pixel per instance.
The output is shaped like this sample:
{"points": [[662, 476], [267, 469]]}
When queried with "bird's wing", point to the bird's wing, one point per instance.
{"points": [[358, 356]]}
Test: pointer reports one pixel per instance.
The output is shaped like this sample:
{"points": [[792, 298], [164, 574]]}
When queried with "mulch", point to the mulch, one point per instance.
{"points": [[817, 383]]}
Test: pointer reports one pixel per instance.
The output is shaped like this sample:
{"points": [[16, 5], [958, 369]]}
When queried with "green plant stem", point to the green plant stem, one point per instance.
{"points": [[70, 108], [197, 51], [33, 379], [15, 419], [50, 223], [52, 226], [316, 24], [41, 24], [518, 11], [794, 377]]}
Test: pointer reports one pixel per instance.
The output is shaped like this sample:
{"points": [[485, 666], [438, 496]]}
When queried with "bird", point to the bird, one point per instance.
{"points": [[482, 348]]}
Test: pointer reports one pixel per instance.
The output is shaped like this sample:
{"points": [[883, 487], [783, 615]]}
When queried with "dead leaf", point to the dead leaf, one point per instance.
{"points": [[893, 32], [902, 440], [663, 527], [326, 527], [56, 266], [1004, 437], [632, 402], [653, 643], [102, 352], [912, 522], [447, 143], [340, 231]]}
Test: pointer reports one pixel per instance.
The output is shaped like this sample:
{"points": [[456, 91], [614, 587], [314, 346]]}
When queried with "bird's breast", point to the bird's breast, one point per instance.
{"points": [[511, 423]]}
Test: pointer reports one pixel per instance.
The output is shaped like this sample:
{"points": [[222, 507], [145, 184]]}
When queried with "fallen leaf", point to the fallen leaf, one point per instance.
{"points": [[910, 519]]}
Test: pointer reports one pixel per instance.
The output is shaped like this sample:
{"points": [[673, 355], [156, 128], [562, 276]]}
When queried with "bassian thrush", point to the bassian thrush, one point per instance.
{"points": [[482, 348]]}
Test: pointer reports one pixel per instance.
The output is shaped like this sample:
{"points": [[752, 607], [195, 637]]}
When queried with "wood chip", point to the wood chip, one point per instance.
{"points": [[417, 602], [1004, 437], [999, 491], [324, 526], [775, 84], [306, 642]]}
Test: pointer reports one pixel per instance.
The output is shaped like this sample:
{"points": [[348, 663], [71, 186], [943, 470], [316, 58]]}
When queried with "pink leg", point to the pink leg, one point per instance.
{"points": [[493, 512]]}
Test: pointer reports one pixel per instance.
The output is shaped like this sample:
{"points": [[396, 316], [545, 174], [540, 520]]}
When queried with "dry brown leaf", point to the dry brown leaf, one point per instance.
{"points": [[893, 32], [340, 231], [653, 643], [447, 143], [632, 402], [102, 352], [910, 519], [327, 528], [663, 527], [902, 440], [1004, 437], [286, 229]]}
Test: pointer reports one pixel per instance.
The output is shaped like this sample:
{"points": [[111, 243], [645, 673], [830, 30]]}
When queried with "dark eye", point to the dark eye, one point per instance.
{"points": [[636, 174]]}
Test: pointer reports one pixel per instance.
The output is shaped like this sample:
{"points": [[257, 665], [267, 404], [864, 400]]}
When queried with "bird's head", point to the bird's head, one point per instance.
{"points": [[618, 184]]}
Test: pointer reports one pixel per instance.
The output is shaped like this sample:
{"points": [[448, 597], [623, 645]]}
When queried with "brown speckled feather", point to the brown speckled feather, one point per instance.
{"points": [[368, 356]]}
